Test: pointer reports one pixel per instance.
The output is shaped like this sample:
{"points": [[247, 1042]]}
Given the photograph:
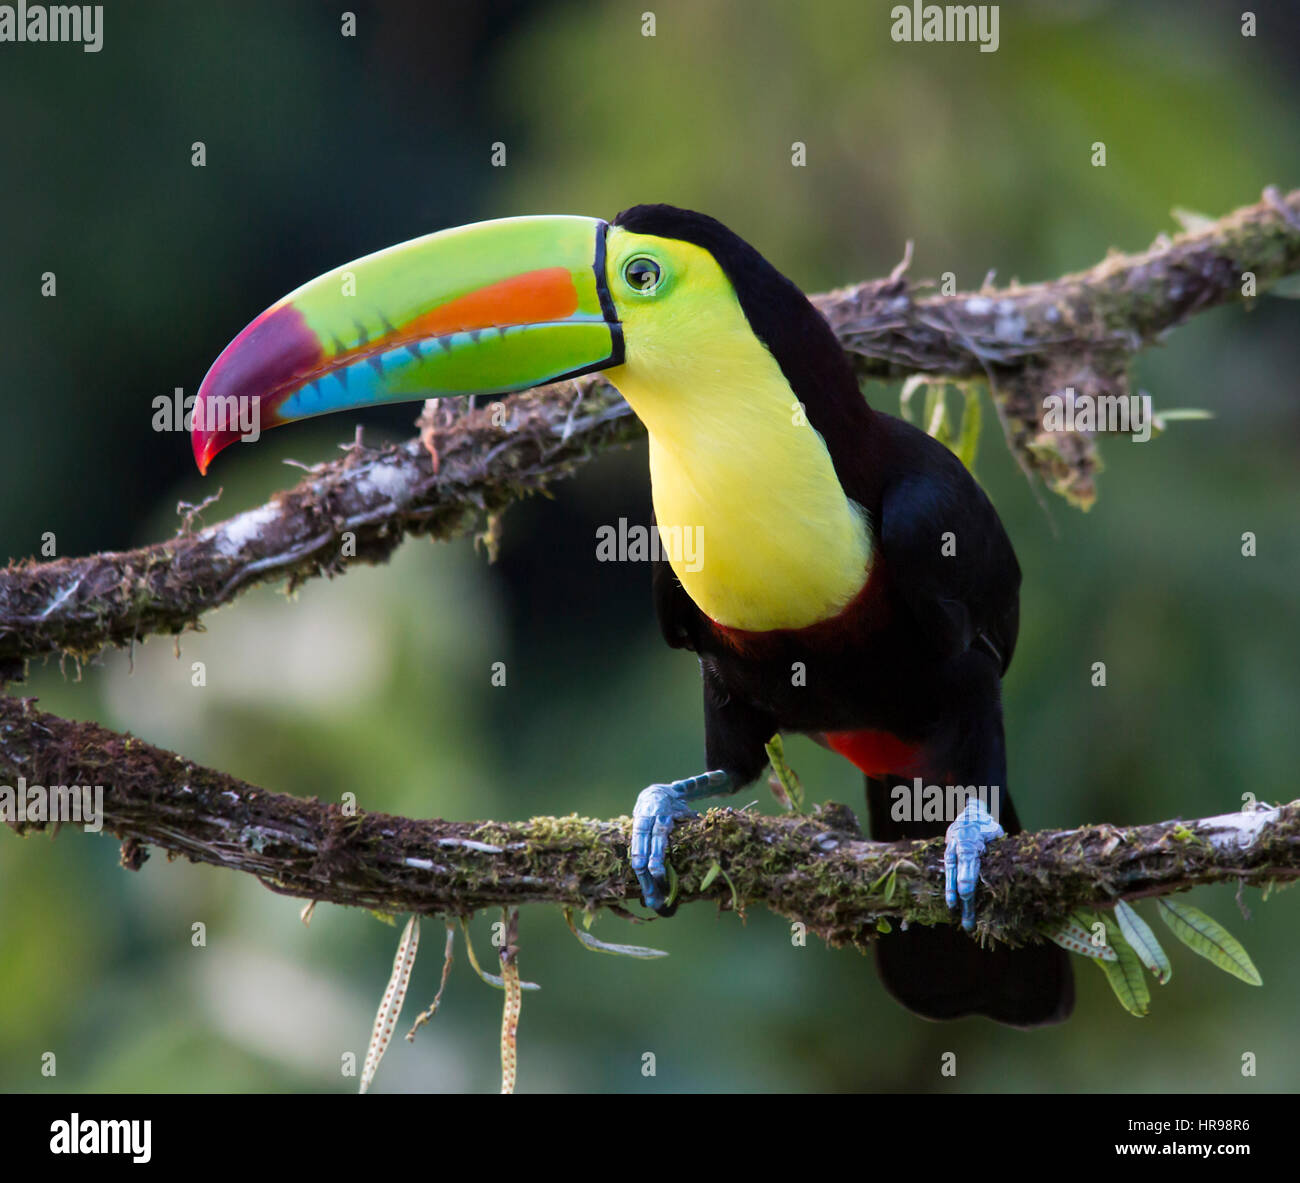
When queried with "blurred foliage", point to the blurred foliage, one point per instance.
{"points": [[321, 148]]}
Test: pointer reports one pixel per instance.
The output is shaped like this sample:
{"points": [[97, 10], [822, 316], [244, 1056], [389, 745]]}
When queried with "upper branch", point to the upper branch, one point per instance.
{"points": [[815, 869], [1027, 341], [1121, 305]]}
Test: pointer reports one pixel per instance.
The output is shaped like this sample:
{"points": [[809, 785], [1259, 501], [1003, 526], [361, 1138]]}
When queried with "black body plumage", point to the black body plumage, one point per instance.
{"points": [[918, 655]]}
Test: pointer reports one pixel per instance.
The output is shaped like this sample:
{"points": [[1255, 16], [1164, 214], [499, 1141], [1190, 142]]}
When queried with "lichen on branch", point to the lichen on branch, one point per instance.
{"points": [[816, 869]]}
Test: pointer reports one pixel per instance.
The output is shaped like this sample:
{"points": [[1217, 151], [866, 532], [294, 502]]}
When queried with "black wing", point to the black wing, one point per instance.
{"points": [[948, 559], [678, 615]]}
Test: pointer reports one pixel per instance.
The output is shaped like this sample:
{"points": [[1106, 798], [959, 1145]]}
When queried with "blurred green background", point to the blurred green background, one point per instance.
{"points": [[321, 148]]}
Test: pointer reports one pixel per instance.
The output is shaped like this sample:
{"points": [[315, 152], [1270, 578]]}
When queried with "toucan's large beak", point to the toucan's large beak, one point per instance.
{"points": [[482, 309]]}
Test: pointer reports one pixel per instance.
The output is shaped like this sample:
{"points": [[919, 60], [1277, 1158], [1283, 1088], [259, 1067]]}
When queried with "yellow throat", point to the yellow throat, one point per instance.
{"points": [[775, 542]]}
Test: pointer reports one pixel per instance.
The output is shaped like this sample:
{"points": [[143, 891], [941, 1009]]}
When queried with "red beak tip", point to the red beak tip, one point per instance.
{"points": [[203, 452]]}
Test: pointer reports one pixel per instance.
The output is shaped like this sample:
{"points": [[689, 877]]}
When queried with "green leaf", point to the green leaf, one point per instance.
{"points": [[910, 387], [598, 946], [674, 885], [1125, 974], [1116, 959], [968, 439], [735, 899], [1074, 933], [491, 979], [1137, 932], [1206, 936], [710, 875], [786, 778], [935, 418]]}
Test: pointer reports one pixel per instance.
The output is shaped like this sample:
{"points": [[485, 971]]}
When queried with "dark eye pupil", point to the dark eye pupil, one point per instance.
{"points": [[642, 273]]}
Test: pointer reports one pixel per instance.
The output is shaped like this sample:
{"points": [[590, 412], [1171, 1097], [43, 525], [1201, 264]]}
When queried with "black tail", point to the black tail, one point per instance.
{"points": [[940, 973]]}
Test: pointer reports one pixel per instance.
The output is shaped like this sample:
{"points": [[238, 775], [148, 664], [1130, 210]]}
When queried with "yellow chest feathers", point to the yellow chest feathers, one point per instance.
{"points": [[753, 517], [758, 527]]}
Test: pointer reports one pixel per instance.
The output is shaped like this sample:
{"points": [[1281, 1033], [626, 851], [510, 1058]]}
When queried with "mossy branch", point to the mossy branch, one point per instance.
{"points": [[1025, 341], [816, 869]]}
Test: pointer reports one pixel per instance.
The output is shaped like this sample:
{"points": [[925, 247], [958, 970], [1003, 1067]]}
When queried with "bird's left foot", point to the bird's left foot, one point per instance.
{"points": [[966, 839], [657, 809]]}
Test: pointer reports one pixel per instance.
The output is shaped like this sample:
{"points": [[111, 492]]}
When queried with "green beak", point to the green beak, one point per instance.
{"points": [[482, 309]]}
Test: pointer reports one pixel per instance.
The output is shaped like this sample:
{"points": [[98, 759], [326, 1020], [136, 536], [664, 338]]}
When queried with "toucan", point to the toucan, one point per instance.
{"points": [[852, 582]]}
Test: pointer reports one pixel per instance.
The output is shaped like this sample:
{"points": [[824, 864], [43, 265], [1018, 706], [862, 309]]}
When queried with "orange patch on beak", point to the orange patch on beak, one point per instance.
{"points": [[532, 298]]}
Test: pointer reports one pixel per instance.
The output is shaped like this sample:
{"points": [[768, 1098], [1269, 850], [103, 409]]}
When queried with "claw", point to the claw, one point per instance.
{"points": [[657, 810], [966, 839]]}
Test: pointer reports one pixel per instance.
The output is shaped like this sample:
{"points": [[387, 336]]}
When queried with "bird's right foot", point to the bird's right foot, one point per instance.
{"points": [[966, 839]]}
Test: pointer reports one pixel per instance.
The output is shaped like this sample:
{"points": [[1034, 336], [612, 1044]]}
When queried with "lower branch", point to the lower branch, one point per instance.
{"points": [[815, 869]]}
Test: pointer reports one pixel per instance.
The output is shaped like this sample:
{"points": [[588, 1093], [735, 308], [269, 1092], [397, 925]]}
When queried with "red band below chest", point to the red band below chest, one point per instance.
{"points": [[875, 752]]}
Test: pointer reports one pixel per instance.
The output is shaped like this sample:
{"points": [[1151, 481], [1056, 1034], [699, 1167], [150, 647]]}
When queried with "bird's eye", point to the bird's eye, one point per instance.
{"points": [[641, 274]]}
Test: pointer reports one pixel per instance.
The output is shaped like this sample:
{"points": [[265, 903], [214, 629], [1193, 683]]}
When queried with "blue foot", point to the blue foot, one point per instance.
{"points": [[657, 810], [967, 837]]}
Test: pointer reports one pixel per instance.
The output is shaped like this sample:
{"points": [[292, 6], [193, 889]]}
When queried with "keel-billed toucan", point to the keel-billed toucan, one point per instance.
{"points": [[852, 582]]}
